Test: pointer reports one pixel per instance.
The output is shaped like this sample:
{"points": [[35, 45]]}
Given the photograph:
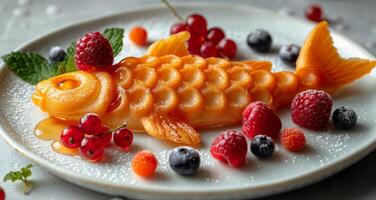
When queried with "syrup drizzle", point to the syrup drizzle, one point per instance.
{"points": [[50, 129]]}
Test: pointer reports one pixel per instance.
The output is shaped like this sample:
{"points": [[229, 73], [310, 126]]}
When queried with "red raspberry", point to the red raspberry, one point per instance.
{"points": [[293, 139], [230, 147], [93, 50], [311, 109], [259, 119]]}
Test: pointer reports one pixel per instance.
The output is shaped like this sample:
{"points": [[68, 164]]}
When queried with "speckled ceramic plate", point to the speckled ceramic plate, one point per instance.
{"points": [[327, 152]]}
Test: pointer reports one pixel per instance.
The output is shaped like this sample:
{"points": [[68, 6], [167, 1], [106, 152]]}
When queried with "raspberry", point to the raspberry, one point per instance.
{"points": [[93, 51], [259, 119], [293, 139], [230, 147], [144, 163], [311, 109]]}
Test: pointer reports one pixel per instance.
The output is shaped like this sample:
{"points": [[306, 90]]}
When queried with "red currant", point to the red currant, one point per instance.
{"points": [[2, 194], [106, 136], [314, 13], [91, 124], [209, 49], [92, 148], [72, 136], [197, 25], [123, 138], [178, 27], [215, 35], [194, 45], [227, 48]]}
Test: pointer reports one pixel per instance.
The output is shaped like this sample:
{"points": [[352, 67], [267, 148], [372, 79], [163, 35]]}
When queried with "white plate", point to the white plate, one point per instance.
{"points": [[327, 152]]}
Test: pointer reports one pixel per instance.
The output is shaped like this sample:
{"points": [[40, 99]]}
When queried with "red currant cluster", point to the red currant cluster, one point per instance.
{"points": [[91, 137], [204, 42]]}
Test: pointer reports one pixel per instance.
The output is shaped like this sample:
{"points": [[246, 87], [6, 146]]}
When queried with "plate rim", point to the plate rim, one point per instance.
{"points": [[289, 183]]}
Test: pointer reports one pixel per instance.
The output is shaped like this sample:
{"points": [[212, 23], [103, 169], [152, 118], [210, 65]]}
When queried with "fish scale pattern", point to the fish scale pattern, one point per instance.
{"points": [[193, 85]]}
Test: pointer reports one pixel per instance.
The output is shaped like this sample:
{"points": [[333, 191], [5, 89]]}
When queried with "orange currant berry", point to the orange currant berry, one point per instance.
{"points": [[144, 163], [138, 35]]}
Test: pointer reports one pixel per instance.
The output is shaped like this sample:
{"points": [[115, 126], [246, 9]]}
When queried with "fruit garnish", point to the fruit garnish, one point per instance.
{"points": [[22, 175], [138, 35], [203, 42], [56, 54], [289, 54], [91, 124], [184, 160], [344, 118], [2, 193], [92, 148], [311, 109], [93, 51], [178, 27], [144, 163], [227, 48], [314, 13], [123, 138], [262, 146], [33, 68], [194, 45], [230, 147], [215, 35], [259, 40], [208, 49], [293, 139], [197, 25], [258, 118], [106, 135], [72, 136]]}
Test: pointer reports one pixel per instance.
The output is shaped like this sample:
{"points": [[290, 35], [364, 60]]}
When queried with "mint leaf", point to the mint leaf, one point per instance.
{"points": [[115, 36], [13, 176], [22, 175], [25, 171], [30, 67], [68, 65]]}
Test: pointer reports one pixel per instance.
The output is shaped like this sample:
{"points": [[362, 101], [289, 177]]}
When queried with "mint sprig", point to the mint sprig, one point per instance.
{"points": [[115, 36], [68, 64], [22, 175], [32, 67]]}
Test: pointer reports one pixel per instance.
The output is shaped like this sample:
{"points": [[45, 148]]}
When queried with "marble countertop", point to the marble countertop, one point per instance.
{"points": [[22, 20]]}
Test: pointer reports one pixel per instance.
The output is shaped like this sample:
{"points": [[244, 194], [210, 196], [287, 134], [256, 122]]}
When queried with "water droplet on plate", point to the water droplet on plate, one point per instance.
{"points": [[286, 11], [341, 27], [23, 2], [20, 12], [52, 10]]}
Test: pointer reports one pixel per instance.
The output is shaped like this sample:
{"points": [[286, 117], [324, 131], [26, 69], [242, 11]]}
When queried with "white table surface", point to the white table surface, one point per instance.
{"points": [[22, 20]]}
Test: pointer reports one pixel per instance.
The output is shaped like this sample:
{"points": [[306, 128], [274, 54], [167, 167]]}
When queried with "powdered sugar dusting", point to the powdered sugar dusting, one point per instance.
{"points": [[323, 147]]}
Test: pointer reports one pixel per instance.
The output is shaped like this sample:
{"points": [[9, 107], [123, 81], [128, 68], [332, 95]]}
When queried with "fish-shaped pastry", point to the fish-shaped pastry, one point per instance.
{"points": [[169, 93]]}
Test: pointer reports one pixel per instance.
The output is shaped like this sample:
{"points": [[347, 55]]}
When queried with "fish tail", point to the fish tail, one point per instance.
{"points": [[319, 65]]}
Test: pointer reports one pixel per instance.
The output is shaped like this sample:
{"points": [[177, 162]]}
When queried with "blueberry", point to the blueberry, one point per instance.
{"points": [[289, 53], [344, 118], [57, 54], [262, 146], [184, 160], [259, 40]]}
